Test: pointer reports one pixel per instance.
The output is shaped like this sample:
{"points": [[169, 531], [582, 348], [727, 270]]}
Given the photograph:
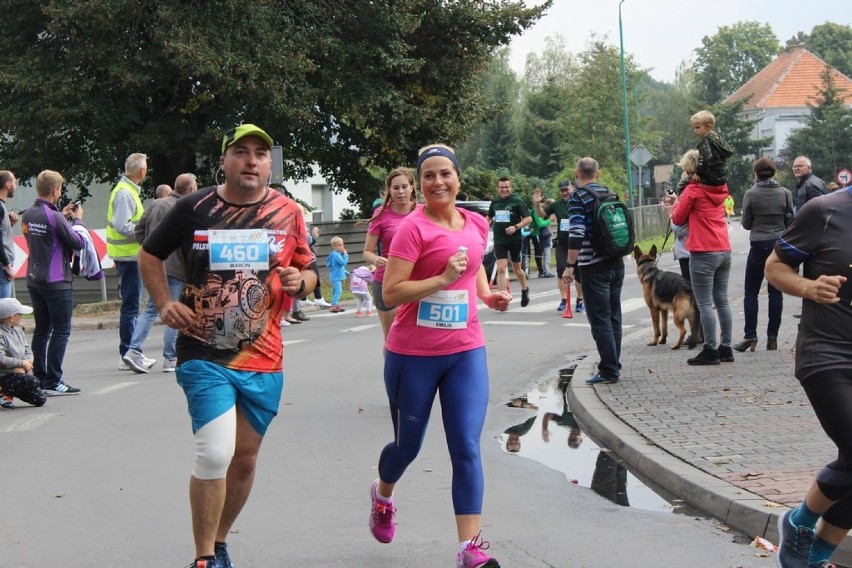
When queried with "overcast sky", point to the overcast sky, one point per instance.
{"points": [[660, 34]]}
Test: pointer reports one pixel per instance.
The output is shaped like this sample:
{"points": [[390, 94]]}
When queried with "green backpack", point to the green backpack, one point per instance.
{"points": [[613, 235]]}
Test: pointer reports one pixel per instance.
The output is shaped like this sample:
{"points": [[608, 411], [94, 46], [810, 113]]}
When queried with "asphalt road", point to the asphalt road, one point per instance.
{"points": [[100, 479]]}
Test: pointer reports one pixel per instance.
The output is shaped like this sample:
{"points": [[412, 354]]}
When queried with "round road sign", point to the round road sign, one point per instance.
{"points": [[844, 177]]}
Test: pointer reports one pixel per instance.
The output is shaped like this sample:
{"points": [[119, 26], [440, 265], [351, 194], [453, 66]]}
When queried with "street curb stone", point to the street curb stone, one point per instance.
{"points": [[747, 511]]}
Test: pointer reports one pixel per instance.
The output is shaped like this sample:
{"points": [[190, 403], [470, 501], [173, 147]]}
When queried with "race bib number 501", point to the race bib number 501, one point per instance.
{"points": [[239, 249], [445, 309]]}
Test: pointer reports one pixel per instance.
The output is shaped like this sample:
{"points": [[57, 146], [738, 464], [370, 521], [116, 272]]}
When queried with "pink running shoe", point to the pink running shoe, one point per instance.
{"points": [[382, 524], [471, 556], [369, 314]]}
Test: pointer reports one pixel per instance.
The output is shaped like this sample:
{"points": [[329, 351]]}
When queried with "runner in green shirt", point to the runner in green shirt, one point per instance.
{"points": [[508, 215]]}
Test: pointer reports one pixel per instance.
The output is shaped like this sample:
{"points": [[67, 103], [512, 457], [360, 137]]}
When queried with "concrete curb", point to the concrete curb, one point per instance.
{"points": [[739, 509]]}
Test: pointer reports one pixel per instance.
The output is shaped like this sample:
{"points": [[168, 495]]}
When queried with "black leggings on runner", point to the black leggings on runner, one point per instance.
{"points": [[830, 394]]}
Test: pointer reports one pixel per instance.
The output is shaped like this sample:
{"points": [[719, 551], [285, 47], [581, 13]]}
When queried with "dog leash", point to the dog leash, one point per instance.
{"points": [[666, 239]]}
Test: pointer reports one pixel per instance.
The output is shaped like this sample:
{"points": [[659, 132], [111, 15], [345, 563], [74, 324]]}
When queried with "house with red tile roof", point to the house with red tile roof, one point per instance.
{"points": [[777, 97]]}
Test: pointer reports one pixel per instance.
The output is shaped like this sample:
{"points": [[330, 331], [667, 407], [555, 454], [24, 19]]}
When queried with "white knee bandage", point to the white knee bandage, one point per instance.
{"points": [[214, 446]]}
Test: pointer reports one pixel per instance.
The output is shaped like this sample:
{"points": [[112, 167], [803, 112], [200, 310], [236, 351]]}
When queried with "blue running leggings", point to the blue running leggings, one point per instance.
{"points": [[461, 380]]}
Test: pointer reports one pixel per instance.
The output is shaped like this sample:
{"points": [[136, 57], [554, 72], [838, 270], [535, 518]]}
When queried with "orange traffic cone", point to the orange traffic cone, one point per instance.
{"points": [[567, 313]]}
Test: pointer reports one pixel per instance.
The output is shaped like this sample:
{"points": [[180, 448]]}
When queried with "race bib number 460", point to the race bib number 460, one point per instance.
{"points": [[239, 249], [445, 309]]}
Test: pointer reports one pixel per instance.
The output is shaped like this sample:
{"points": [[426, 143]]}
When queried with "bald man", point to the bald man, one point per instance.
{"points": [[135, 358], [163, 190]]}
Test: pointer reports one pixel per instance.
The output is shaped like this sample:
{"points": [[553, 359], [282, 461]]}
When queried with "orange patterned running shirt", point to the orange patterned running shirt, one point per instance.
{"points": [[229, 252]]}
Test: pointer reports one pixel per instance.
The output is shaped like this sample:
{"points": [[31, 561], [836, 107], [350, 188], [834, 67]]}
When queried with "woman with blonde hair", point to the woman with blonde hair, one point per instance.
{"points": [[709, 247], [400, 200]]}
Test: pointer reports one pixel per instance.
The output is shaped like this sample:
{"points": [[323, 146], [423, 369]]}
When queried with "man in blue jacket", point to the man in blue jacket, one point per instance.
{"points": [[51, 241]]}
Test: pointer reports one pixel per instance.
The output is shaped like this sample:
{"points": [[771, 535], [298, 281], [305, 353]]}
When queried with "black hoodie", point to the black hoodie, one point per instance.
{"points": [[713, 153]]}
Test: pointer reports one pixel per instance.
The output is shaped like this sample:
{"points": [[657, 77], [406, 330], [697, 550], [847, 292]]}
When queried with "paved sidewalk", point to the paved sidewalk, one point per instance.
{"points": [[738, 441]]}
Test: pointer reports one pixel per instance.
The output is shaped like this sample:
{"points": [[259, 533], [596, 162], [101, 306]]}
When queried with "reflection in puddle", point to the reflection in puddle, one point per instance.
{"points": [[550, 435]]}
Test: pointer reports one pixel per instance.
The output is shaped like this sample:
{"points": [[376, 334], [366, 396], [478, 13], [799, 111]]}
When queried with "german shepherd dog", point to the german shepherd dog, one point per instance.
{"points": [[666, 292]]}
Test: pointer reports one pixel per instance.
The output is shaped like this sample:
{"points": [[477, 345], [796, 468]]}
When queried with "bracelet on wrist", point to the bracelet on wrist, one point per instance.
{"points": [[299, 291]]}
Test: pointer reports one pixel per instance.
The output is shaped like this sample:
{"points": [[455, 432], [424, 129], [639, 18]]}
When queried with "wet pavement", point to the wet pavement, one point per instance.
{"points": [[551, 436], [738, 441]]}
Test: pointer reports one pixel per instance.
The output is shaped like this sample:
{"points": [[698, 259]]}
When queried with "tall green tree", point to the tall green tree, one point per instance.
{"points": [[668, 132], [540, 132], [544, 101], [831, 42], [594, 123], [348, 85], [491, 144], [726, 60], [826, 137]]}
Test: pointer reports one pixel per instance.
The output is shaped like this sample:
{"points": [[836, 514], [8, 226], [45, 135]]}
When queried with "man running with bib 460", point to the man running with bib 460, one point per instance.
{"points": [[244, 248]]}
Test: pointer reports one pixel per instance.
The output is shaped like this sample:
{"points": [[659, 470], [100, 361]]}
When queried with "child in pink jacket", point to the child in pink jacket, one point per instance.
{"points": [[359, 286]]}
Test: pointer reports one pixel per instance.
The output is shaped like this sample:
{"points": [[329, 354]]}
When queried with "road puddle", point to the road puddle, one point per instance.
{"points": [[547, 433]]}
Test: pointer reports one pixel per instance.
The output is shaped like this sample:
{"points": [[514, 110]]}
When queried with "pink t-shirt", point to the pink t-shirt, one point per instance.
{"points": [[384, 225], [429, 246]]}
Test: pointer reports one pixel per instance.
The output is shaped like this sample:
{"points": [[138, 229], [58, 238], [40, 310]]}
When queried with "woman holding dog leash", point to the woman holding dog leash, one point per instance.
{"points": [[709, 265], [767, 210]]}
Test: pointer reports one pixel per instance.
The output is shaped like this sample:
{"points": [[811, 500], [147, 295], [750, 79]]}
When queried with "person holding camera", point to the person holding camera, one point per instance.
{"points": [[51, 241]]}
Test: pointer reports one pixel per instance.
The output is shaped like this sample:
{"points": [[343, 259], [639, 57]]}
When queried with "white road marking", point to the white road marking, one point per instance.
{"points": [[632, 304], [328, 314], [579, 324], [294, 341], [114, 387], [360, 328], [538, 307], [494, 322], [27, 424]]}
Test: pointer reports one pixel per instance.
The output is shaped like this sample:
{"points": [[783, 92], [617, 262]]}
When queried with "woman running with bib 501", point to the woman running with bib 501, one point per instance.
{"points": [[435, 345]]}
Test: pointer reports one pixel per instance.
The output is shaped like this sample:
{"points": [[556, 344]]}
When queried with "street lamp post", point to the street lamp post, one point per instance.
{"points": [[626, 120]]}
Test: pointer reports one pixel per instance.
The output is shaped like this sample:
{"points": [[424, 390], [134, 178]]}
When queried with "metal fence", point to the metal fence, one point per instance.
{"points": [[650, 221]]}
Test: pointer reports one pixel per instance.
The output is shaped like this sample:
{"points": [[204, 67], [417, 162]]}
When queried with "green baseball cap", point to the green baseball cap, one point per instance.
{"points": [[243, 130]]}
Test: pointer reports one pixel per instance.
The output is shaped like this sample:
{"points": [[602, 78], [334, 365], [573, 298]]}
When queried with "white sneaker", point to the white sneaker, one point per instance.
{"points": [[122, 366], [136, 361], [307, 302], [169, 365], [322, 303]]}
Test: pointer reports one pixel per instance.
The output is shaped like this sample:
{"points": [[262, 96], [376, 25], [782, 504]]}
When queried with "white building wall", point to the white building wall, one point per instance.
{"points": [[316, 192], [778, 123]]}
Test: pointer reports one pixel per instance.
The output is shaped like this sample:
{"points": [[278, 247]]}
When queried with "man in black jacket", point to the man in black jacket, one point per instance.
{"points": [[808, 185]]}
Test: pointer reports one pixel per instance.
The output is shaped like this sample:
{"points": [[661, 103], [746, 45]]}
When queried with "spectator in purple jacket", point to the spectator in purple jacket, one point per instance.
{"points": [[51, 241]]}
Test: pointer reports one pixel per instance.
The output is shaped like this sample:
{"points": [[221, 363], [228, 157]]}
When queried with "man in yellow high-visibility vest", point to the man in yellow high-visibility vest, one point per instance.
{"points": [[123, 213]]}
